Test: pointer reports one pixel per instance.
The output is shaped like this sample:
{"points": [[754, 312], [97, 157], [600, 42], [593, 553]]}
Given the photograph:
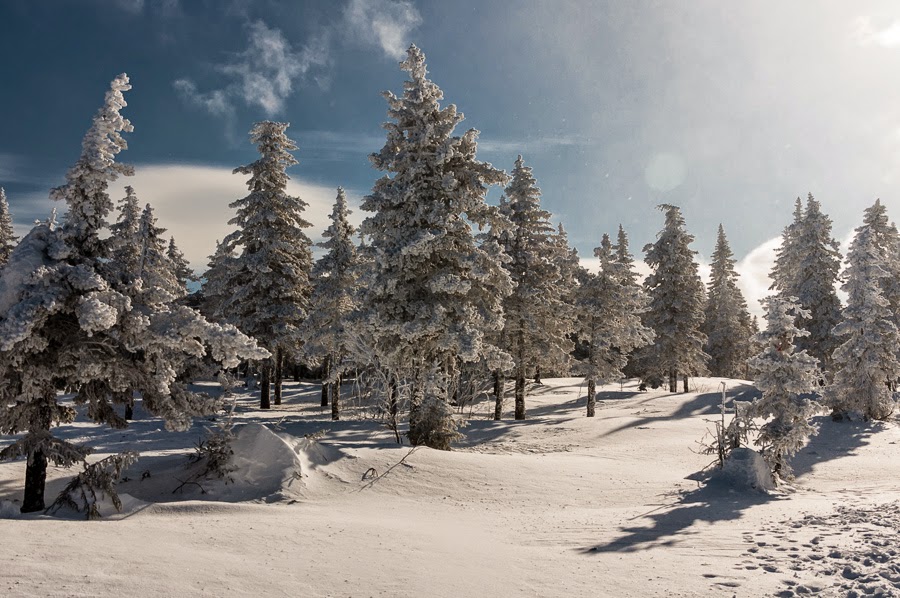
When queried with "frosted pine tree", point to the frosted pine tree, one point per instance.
{"points": [[156, 271], [866, 363], [215, 287], [785, 269], [269, 282], [676, 303], [8, 237], [887, 240], [334, 299], [434, 291], [809, 269], [609, 308], [727, 321], [538, 319], [180, 266], [68, 322], [787, 378], [125, 242]]}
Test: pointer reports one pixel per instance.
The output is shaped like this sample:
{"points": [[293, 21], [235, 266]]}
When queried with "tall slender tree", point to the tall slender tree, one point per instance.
{"points": [[181, 268], [538, 320], [8, 237], [68, 322], [434, 292], [866, 363], [125, 240], [334, 299], [727, 321], [269, 281], [676, 303]]}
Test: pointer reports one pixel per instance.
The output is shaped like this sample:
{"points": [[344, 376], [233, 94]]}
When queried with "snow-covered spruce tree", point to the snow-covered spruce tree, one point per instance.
{"points": [[808, 267], [180, 266], [609, 308], [8, 237], [434, 292], [787, 377], [676, 303], [155, 270], [333, 302], [727, 321], [538, 320], [69, 323], [215, 281], [887, 240], [269, 282], [125, 243], [866, 363]]}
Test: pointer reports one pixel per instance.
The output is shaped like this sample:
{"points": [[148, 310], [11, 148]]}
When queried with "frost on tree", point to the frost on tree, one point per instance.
{"points": [[434, 293], [69, 322], [334, 300], [807, 267], [787, 378], [538, 320], [180, 266], [268, 283], [8, 237], [609, 327], [866, 363], [727, 321], [676, 304]]}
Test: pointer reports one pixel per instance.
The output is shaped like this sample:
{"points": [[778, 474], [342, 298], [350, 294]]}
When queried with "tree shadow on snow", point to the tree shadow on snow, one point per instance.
{"points": [[670, 524], [834, 440]]}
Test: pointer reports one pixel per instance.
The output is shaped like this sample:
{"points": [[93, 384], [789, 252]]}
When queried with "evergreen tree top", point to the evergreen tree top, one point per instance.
{"points": [[8, 237]]}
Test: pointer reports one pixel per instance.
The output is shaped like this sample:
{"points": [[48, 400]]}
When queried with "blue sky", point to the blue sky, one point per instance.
{"points": [[730, 110]]}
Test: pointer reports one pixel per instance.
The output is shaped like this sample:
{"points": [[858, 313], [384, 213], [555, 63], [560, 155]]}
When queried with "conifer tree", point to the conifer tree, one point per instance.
{"points": [[180, 266], [68, 322], [538, 320], [609, 320], [807, 267], [125, 242], [434, 291], [887, 240], [787, 378], [676, 303], [866, 363], [334, 299], [156, 272], [727, 321], [8, 237], [269, 281]]}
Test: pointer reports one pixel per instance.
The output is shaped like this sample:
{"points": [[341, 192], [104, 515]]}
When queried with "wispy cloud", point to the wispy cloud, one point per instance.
{"points": [[166, 8], [867, 34], [533, 145], [387, 24]]}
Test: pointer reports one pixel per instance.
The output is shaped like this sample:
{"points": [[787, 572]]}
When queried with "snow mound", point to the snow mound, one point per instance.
{"points": [[745, 469], [264, 463], [8, 509]]}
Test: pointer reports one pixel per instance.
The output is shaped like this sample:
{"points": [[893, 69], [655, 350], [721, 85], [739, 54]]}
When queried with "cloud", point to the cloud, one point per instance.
{"points": [[866, 34], [191, 201], [383, 23], [533, 145], [262, 75]]}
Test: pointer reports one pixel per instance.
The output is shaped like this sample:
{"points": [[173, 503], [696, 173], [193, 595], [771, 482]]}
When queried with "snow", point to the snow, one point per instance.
{"points": [[556, 505]]}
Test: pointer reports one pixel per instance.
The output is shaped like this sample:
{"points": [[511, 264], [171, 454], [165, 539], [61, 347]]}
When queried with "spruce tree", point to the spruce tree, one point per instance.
{"points": [[334, 300], [609, 307], [727, 321], [8, 237], [866, 363], [180, 266], [676, 303], [786, 377], [434, 292], [125, 242], [269, 282], [155, 270], [72, 324], [538, 319]]}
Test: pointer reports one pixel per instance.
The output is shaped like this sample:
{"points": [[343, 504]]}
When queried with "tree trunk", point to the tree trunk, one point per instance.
{"points": [[673, 381], [36, 468], [279, 374], [498, 394], [129, 409], [296, 372], [685, 383], [520, 393], [326, 369], [336, 399], [591, 399], [264, 387], [393, 406], [537, 375]]}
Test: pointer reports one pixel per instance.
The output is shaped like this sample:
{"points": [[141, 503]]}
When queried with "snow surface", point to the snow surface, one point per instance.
{"points": [[556, 505]]}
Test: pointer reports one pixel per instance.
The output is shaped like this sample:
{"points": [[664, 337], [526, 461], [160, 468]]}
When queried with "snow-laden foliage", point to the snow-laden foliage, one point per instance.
{"points": [[538, 319], [267, 286], [727, 321], [676, 303], [69, 322], [609, 307], [96, 482], [866, 363], [155, 270], [887, 240], [807, 267], [8, 237], [334, 299], [434, 425], [787, 378], [434, 292], [124, 242], [180, 266], [215, 281]]}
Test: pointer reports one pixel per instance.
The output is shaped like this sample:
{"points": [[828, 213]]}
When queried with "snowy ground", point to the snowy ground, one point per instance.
{"points": [[557, 505]]}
